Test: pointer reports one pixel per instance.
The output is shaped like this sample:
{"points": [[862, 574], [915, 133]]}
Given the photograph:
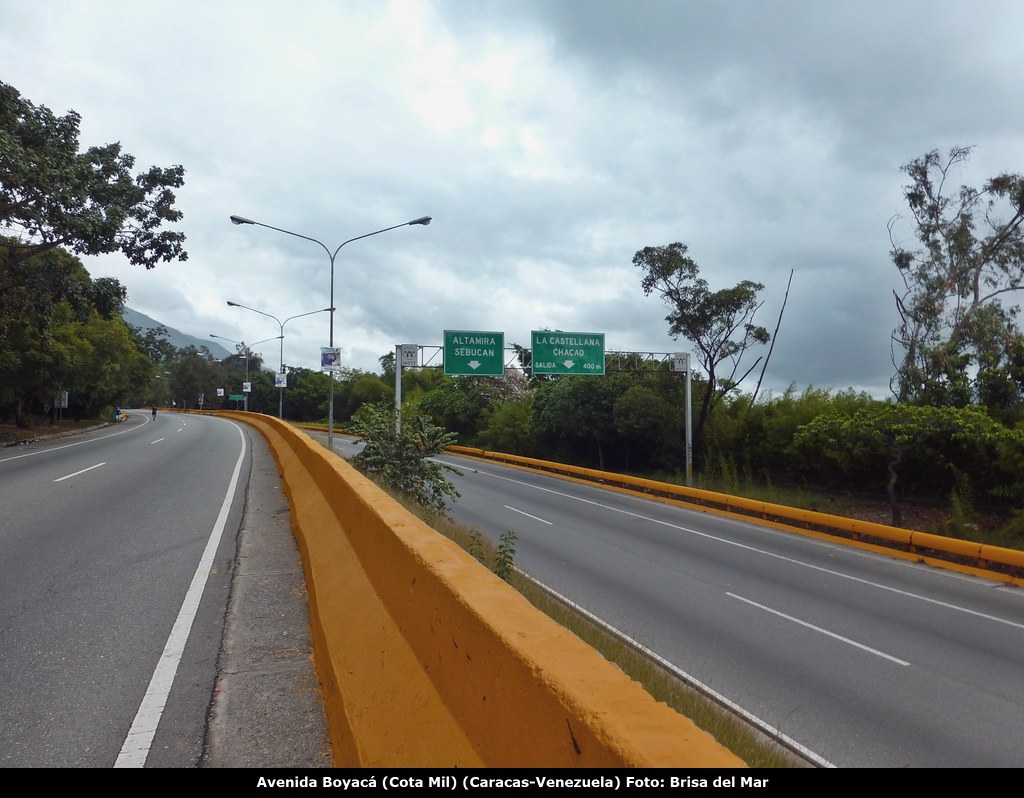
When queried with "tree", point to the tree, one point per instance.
{"points": [[403, 461], [155, 344], [580, 410], [506, 427], [49, 313], [953, 323], [646, 420], [52, 195], [719, 323], [926, 442], [305, 399], [113, 368], [193, 373], [459, 403]]}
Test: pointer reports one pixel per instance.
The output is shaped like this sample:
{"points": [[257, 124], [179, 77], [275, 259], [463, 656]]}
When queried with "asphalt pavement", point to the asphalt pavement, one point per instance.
{"points": [[267, 709]]}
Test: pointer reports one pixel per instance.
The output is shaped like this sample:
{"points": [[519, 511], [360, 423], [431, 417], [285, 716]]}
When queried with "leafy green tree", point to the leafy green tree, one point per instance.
{"points": [[263, 396], [401, 461], [195, 372], [454, 406], [718, 323], [113, 367], [929, 443], [969, 258], [155, 344], [506, 427], [580, 410], [387, 365], [305, 398], [459, 403], [370, 389], [645, 419], [48, 305], [757, 439], [52, 195]]}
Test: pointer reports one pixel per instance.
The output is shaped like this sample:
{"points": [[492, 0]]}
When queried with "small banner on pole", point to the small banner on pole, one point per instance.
{"points": [[330, 358]]}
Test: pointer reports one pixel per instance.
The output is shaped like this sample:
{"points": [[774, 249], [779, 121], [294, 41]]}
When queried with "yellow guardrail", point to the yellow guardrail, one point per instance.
{"points": [[426, 659], [995, 562]]}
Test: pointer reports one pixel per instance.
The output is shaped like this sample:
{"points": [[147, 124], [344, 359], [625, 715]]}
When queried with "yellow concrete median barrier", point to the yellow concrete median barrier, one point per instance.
{"points": [[427, 659]]}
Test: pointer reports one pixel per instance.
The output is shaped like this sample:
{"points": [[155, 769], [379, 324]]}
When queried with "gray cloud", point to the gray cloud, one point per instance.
{"points": [[549, 140]]}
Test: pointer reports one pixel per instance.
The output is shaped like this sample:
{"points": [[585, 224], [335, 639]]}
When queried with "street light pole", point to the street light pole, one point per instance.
{"points": [[424, 220], [280, 397], [248, 351]]}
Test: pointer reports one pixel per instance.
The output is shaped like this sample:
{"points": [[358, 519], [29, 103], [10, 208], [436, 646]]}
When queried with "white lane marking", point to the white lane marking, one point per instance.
{"points": [[714, 695], [156, 441], [847, 640], [898, 591], [140, 736], [90, 468], [534, 517], [69, 445]]}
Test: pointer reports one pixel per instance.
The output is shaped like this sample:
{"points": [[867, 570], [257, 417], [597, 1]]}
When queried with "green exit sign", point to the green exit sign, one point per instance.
{"points": [[566, 352], [474, 352]]}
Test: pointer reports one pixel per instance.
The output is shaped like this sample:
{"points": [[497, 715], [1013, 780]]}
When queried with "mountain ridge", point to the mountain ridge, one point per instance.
{"points": [[176, 337]]}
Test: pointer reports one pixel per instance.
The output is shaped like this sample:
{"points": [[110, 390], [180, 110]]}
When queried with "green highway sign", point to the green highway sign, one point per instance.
{"points": [[566, 352], [236, 397], [471, 352]]}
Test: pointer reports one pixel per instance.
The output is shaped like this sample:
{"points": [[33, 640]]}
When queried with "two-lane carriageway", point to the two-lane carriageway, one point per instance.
{"points": [[861, 659], [115, 554]]}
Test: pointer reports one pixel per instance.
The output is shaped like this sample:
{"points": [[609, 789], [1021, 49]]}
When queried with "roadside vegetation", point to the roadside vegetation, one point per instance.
{"points": [[949, 439]]}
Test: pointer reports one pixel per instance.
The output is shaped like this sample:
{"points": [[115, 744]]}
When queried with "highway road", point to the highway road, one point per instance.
{"points": [[114, 569], [861, 659], [113, 564], [864, 660]]}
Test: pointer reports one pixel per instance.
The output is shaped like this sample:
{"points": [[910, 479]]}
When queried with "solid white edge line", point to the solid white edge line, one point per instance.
{"points": [[140, 736], [69, 445], [717, 697], [90, 468], [820, 630]]}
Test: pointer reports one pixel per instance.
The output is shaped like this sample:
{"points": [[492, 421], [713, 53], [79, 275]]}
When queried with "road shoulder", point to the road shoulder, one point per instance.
{"points": [[267, 709]]}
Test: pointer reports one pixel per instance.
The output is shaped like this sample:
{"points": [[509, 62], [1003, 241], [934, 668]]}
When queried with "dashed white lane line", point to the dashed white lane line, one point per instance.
{"points": [[90, 468], [820, 630]]}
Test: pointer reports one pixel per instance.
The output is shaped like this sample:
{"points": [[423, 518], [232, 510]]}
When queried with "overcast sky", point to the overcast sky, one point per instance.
{"points": [[548, 139]]}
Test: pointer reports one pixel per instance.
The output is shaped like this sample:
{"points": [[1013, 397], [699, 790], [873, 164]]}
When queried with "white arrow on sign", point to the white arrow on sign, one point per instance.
{"points": [[474, 364], [568, 363]]}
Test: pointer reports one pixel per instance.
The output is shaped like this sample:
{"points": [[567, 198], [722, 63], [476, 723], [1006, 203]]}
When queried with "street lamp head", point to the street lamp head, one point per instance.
{"points": [[232, 304], [241, 220], [421, 220]]}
